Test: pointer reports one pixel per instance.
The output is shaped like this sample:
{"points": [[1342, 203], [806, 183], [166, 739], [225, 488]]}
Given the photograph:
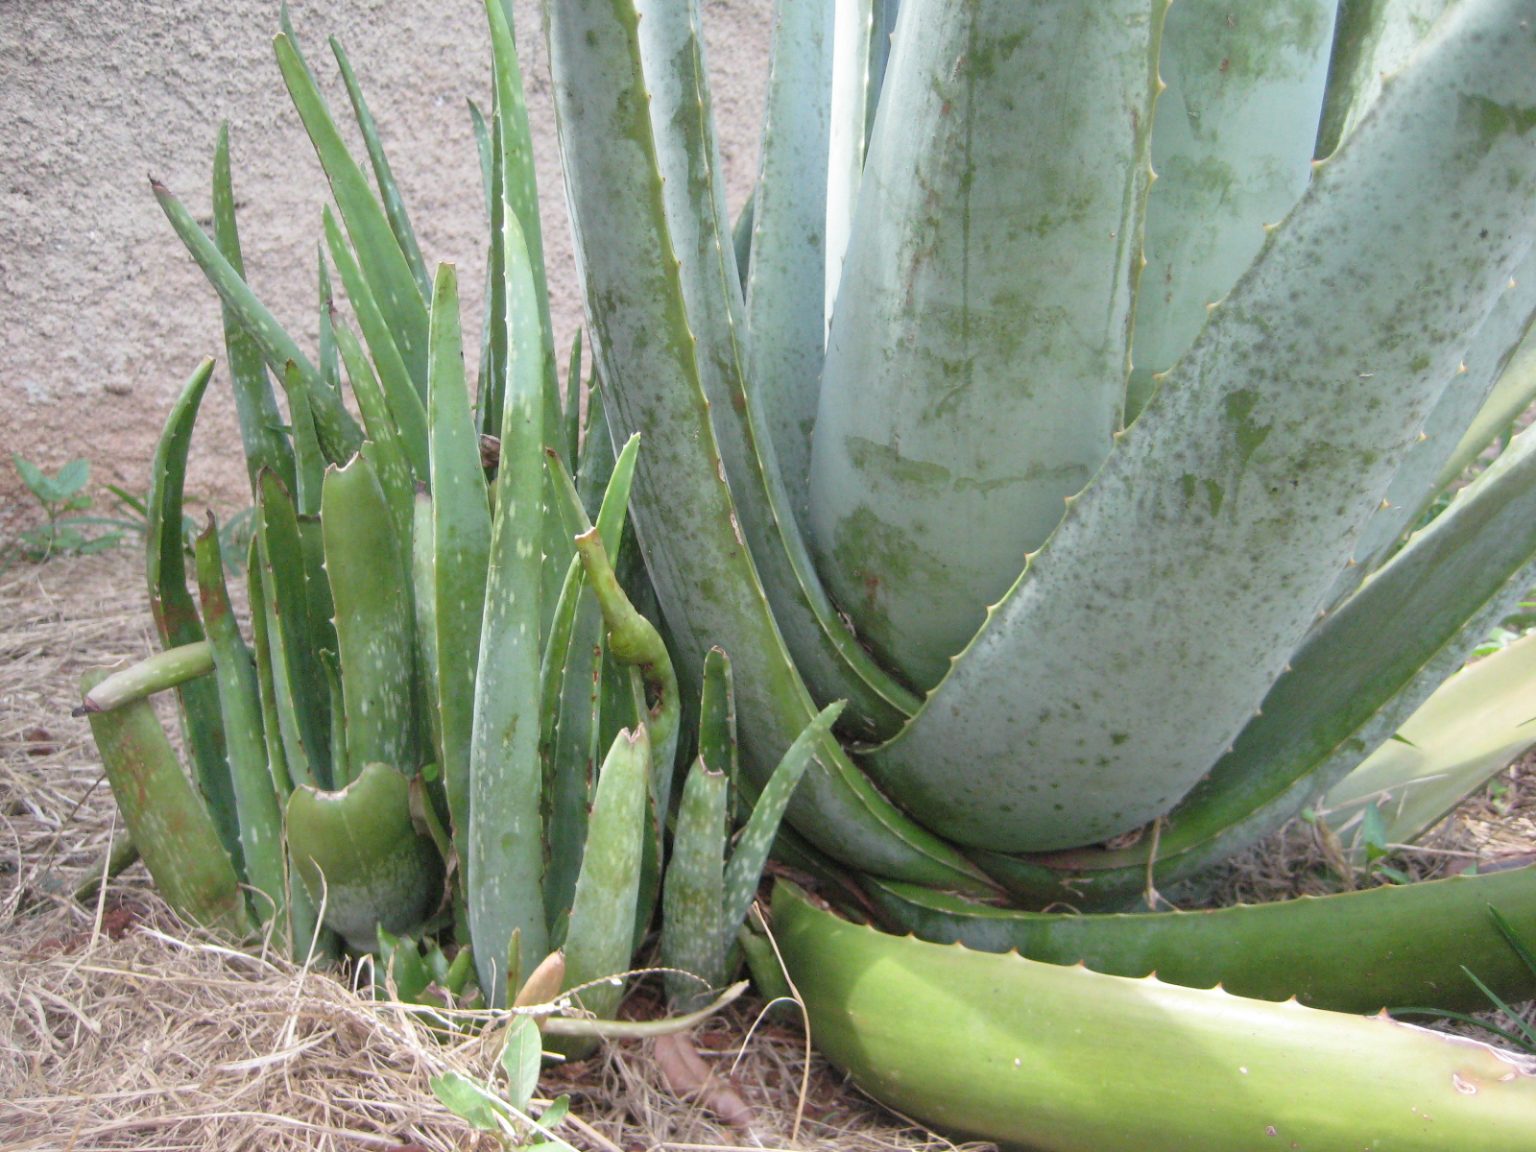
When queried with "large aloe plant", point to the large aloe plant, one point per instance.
{"points": [[1070, 399]]}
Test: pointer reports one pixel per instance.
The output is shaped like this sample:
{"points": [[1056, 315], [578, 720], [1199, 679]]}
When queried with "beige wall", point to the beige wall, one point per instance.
{"points": [[102, 315]]}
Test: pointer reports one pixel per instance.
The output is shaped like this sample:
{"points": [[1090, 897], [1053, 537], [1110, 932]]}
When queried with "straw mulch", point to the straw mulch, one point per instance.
{"points": [[119, 1028]]}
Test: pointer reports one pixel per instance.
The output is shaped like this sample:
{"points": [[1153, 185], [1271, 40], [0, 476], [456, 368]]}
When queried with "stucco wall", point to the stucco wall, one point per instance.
{"points": [[102, 315]]}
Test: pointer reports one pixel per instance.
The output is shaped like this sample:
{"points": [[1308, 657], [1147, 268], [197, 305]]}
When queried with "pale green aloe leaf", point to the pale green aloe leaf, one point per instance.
{"points": [[165, 670], [1471, 728], [459, 549], [168, 823], [851, 116], [693, 934], [1011, 1050], [389, 191], [598, 943], [1375, 38], [261, 424], [706, 581], [384, 265], [505, 840], [337, 428], [404, 401], [263, 860], [1239, 492], [750, 854], [1360, 676], [361, 858], [978, 353], [1423, 473], [1512, 395], [1232, 148], [175, 612], [786, 311], [365, 563]]}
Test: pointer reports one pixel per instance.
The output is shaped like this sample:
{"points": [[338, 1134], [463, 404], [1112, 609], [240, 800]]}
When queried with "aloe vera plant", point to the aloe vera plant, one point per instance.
{"points": [[448, 725], [1076, 398]]}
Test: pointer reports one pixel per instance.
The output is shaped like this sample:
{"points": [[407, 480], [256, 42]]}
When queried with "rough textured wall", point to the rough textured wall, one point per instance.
{"points": [[103, 316]]}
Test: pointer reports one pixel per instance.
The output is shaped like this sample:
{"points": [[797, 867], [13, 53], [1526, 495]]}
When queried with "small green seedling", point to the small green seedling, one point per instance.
{"points": [[506, 1113]]}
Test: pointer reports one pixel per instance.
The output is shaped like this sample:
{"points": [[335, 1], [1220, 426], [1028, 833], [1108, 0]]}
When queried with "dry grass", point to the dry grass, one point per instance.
{"points": [[120, 1029]]}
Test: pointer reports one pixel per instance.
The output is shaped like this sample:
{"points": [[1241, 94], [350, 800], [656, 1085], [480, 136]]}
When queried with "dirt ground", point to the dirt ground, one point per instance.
{"points": [[121, 1029]]}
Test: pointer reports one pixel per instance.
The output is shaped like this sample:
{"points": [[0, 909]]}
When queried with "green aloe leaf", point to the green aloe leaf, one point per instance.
{"points": [[599, 942], [389, 191], [1408, 944], [694, 937], [365, 563], [1232, 148], [169, 824], [161, 672], [261, 825], [404, 402], [175, 613], [1011, 1050], [338, 431], [384, 265], [361, 858], [505, 834], [261, 424], [458, 551], [978, 352]]}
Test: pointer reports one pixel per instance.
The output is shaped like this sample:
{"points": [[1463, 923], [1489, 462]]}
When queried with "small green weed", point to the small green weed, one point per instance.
{"points": [[64, 531]]}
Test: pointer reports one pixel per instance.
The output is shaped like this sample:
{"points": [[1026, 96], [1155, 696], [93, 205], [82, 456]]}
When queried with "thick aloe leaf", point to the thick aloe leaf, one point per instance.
{"points": [[389, 191], [851, 124], [175, 613], [717, 717], [365, 562], [404, 402], [330, 362], [1479, 720], [693, 931], [1407, 945], [1514, 393], [505, 836], [1014, 1051], [706, 581], [459, 549], [361, 858], [338, 431], [261, 649], [1359, 677], [1239, 492], [1232, 148], [424, 598], [976, 366], [598, 943], [303, 700], [261, 424], [786, 309], [161, 672], [384, 266], [1374, 39], [1422, 474], [261, 824], [168, 823]]}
